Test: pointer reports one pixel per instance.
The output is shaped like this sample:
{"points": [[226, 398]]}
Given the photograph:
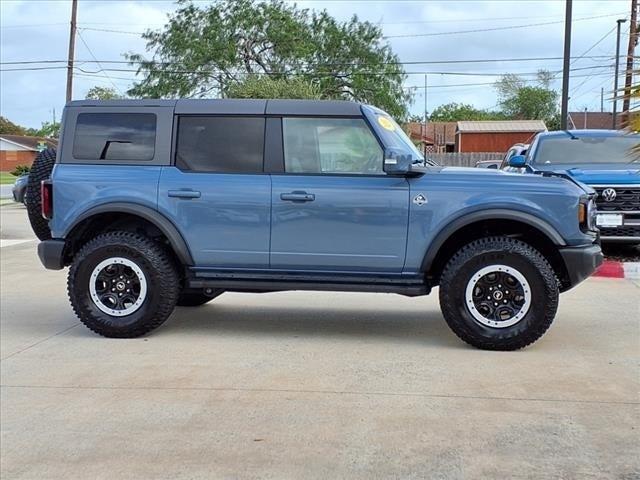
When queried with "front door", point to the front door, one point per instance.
{"points": [[334, 209]]}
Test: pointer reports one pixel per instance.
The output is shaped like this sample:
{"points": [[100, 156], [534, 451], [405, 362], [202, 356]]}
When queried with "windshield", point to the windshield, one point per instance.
{"points": [[615, 149], [392, 134]]}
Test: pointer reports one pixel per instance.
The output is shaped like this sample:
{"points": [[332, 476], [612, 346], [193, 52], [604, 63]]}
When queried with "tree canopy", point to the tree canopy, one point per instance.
{"points": [[454, 112], [103, 93], [47, 129], [531, 102], [7, 127], [207, 49], [268, 87]]}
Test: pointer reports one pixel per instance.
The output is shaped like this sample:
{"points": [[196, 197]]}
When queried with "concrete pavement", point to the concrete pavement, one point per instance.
{"points": [[311, 385], [5, 191]]}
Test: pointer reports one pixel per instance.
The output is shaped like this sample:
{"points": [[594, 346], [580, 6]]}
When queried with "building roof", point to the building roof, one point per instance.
{"points": [[499, 126], [597, 120], [436, 132], [31, 143]]}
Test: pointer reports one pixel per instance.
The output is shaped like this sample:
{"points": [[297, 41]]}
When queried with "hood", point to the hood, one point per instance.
{"points": [[609, 176], [474, 170]]}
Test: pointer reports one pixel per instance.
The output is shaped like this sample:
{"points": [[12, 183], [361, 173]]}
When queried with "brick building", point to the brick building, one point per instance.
{"points": [[21, 150], [495, 136]]}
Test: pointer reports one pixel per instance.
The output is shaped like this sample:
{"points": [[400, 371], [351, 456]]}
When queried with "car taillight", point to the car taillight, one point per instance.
{"points": [[46, 197]]}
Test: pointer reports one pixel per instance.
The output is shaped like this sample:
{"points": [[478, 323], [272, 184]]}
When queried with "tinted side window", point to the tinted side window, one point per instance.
{"points": [[115, 136], [220, 144], [330, 145]]}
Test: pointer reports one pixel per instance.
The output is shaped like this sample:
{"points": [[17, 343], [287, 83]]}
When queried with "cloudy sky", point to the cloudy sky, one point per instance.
{"points": [[418, 31]]}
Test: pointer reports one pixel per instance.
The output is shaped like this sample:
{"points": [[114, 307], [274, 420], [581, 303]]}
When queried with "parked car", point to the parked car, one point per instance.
{"points": [[19, 189], [495, 164], [158, 203], [608, 161]]}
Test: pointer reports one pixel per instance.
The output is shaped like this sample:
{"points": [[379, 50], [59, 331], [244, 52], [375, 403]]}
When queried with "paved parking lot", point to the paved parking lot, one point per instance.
{"points": [[311, 385]]}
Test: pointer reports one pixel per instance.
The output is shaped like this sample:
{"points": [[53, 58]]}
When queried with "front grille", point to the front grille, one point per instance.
{"points": [[627, 199], [628, 231]]}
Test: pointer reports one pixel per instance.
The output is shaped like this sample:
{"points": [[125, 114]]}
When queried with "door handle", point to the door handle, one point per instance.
{"points": [[184, 193], [298, 197]]}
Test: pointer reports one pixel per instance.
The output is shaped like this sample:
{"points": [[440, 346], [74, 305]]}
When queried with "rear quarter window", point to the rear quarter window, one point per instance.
{"points": [[115, 136]]}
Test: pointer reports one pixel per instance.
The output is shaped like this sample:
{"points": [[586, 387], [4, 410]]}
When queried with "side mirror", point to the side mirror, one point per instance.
{"points": [[517, 161], [396, 163]]}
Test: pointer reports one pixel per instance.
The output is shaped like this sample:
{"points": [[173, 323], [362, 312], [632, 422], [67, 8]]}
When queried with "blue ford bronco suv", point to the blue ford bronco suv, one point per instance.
{"points": [[158, 203], [606, 160]]}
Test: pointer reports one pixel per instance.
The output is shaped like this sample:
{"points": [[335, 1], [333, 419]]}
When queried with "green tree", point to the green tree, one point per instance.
{"points": [[267, 87], [46, 130], [454, 112], [528, 102], [205, 49], [7, 127], [103, 93]]}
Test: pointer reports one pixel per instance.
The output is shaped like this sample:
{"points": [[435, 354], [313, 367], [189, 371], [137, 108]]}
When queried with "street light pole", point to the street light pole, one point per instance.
{"points": [[620, 21], [564, 110]]}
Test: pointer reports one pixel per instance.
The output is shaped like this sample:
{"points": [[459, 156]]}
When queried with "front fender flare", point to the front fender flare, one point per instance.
{"points": [[490, 214], [153, 216]]}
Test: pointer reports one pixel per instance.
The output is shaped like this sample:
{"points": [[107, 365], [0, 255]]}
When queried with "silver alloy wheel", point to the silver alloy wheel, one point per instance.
{"points": [[118, 286], [498, 296]]}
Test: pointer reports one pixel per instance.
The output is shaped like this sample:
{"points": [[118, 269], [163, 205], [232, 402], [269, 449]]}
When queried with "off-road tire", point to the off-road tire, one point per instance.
{"points": [[194, 299], [40, 170], [512, 253], [160, 273]]}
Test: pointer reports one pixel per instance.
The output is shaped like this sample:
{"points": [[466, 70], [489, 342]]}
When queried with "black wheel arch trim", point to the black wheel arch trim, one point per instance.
{"points": [[165, 225], [491, 214]]}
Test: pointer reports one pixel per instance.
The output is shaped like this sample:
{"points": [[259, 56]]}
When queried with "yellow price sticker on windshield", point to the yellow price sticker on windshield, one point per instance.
{"points": [[386, 123]]}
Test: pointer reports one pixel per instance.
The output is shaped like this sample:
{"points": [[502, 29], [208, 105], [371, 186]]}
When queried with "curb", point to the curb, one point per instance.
{"points": [[616, 269]]}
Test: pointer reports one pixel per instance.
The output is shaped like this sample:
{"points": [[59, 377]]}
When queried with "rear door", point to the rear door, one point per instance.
{"points": [[333, 207], [216, 192]]}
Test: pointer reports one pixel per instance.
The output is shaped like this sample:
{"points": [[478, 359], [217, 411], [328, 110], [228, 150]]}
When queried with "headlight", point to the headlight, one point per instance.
{"points": [[587, 215]]}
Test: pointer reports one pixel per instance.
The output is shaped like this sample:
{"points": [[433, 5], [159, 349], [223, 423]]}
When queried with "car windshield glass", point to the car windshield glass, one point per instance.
{"points": [[618, 149], [393, 136]]}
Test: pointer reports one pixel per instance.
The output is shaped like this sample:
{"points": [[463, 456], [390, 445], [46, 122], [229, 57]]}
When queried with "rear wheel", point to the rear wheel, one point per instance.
{"points": [[40, 170], [498, 293], [122, 284], [194, 299]]}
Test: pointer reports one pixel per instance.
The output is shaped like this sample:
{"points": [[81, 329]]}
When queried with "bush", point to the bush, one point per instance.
{"points": [[21, 170]]}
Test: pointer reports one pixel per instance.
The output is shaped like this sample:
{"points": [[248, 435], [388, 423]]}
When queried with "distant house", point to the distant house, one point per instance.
{"points": [[495, 135], [435, 137], [21, 150], [598, 120]]}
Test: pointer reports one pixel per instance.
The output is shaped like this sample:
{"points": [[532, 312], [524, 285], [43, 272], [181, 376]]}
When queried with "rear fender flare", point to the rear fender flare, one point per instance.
{"points": [[160, 221]]}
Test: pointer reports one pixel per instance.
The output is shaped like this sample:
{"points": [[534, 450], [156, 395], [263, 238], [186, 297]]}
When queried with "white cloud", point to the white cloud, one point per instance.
{"points": [[27, 97]]}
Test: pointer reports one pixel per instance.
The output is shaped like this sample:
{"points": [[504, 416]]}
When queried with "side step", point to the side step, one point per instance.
{"points": [[279, 280]]}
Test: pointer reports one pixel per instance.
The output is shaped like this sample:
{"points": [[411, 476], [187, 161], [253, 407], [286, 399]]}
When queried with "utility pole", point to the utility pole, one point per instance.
{"points": [[633, 40], [72, 46], [424, 136], [601, 99], [564, 111], [620, 21]]}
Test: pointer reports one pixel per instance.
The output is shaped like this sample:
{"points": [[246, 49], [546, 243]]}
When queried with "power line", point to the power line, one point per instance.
{"points": [[412, 62], [96, 60], [493, 29]]}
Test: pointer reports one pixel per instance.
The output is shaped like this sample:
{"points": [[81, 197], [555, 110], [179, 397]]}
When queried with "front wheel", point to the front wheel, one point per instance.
{"points": [[498, 293], [122, 285]]}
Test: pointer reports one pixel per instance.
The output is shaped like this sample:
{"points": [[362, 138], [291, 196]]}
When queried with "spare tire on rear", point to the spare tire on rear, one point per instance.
{"points": [[40, 170]]}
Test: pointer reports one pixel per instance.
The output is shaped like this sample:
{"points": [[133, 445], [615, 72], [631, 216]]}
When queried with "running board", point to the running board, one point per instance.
{"points": [[278, 281]]}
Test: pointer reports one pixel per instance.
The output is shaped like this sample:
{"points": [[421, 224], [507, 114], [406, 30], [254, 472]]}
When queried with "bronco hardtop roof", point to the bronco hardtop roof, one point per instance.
{"points": [[232, 106]]}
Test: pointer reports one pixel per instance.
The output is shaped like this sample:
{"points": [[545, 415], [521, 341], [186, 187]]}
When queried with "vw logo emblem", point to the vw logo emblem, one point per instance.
{"points": [[609, 194]]}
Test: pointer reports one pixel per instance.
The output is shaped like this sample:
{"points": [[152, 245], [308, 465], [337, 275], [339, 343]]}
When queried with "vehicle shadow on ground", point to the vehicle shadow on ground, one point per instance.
{"points": [[295, 321]]}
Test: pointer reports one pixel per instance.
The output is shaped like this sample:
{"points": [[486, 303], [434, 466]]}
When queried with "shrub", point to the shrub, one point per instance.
{"points": [[21, 170]]}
